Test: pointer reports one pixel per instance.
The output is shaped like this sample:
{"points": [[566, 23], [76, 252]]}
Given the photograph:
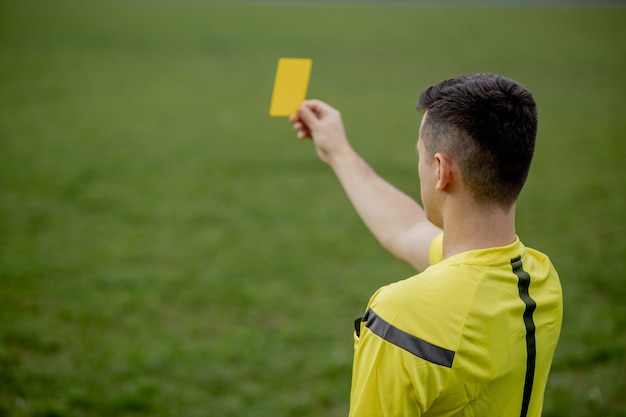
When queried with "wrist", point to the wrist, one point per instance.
{"points": [[341, 156]]}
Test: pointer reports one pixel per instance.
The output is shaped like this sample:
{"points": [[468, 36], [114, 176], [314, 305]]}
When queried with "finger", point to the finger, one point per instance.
{"points": [[301, 129], [307, 115], [304, 134], [319, 107], [315, 103]]}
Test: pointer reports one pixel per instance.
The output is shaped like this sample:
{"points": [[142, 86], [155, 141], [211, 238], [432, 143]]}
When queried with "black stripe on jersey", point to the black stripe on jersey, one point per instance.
{"points": [[406, 341], [531, 349]]}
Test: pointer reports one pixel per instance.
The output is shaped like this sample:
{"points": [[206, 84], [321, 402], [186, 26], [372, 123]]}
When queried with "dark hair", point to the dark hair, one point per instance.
{"points": [[488, 124]]}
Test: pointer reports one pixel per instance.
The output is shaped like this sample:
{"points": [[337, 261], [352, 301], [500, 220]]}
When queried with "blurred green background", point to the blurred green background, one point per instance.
{"points": [[167, 248]]}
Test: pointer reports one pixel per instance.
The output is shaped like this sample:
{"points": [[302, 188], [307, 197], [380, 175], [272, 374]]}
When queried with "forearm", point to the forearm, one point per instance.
{"points": [[395, 219]]}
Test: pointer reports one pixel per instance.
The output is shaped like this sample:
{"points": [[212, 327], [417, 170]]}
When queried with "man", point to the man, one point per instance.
{"points": [[474, 333]]}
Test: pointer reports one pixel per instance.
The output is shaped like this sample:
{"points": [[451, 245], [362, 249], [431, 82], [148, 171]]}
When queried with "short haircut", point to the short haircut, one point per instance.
{"points": [[488, 124]]}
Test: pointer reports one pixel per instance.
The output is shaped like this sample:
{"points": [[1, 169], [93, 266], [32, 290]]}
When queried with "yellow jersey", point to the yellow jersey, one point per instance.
{"points": [[472, 335]]}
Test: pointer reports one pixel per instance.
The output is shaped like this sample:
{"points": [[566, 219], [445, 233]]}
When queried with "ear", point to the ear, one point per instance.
{"points": [[445, 168]]}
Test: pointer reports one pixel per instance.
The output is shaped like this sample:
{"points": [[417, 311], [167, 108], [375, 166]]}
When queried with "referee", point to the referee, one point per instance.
{"points": [[474, 333]]}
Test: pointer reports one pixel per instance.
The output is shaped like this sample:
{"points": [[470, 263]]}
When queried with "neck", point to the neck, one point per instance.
{"points": [[477, 227]]}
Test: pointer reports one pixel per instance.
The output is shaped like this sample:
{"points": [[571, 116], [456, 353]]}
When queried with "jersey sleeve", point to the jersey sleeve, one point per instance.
{"points": [[379, 386], [388, 380], [436, 249]]}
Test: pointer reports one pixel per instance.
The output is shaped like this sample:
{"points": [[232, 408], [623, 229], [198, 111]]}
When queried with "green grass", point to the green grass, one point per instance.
{"points": [[166, 248]]}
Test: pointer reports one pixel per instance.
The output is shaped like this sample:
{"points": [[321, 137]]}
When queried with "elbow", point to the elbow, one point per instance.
{"points": [[402, 253]]}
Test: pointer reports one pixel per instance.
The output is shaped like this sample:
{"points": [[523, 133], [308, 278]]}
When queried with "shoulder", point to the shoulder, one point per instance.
{"points": [[430, 306], [436, 288], [541, 270], [435, 253], [539, 260]]}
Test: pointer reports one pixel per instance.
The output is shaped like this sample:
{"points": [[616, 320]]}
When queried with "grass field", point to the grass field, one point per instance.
{"points": [[168, 249]]}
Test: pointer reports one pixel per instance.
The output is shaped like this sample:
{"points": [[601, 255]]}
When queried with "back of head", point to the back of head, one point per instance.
{"points": [[488, 124]]}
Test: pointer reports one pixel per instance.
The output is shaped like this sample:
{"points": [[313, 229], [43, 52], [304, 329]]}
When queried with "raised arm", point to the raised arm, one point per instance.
{"points": [[395, 219]]}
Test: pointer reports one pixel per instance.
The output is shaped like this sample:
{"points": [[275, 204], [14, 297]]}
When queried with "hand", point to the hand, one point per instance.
{"points": [[322, 123]]}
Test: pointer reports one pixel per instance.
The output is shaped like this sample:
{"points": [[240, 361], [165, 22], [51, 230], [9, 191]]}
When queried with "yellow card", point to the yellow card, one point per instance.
{"points": [[290, 85]]}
